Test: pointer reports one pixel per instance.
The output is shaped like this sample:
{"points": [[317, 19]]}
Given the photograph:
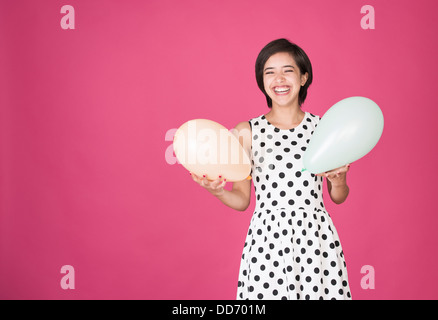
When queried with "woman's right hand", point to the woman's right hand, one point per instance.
{"points": [[215, 187]]}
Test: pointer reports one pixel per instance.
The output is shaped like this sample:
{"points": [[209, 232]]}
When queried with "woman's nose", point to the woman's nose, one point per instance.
{"points": [[280, 78]]}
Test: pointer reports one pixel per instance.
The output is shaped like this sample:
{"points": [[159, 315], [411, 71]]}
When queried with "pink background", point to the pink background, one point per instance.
{"points": [[84, 179]]}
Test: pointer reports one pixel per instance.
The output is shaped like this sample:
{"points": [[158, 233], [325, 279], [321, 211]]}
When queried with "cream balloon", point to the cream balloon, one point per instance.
{"points": [[348, 131], [203, 146]]}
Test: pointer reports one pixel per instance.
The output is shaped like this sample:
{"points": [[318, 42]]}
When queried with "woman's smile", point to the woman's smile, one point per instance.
{"points": [[281, 90], [282, 79]]}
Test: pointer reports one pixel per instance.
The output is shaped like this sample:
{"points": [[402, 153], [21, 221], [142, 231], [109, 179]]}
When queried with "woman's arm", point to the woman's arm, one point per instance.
{"points": [[337, 183], [238, 197]]}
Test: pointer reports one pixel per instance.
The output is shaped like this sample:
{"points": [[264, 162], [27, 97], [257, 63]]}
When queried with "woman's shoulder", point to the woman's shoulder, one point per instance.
{"points": [[244, 125], [313, 118], [256, 120], [248, 124], [242, 131]]}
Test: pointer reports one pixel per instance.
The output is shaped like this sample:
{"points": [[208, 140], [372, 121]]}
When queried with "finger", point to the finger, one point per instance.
{"points": [[320, 174], [194, 177], [204, 181], [216, 183], [337, 171], [331, 175], [222, 185], [197, 178], [342, 170]]}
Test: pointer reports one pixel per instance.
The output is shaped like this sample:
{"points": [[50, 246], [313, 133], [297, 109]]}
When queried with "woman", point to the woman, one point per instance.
{"points": [[292, 249]]}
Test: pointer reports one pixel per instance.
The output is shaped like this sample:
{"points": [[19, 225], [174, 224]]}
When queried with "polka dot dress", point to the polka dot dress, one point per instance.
{"points": [[292, 250]]}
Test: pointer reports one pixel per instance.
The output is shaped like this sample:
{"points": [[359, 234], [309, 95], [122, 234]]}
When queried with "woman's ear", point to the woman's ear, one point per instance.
{"points": [[304, 78]]}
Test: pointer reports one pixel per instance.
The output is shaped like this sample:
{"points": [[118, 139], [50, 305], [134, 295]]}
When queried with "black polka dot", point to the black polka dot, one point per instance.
{"points": [[291, 250]]}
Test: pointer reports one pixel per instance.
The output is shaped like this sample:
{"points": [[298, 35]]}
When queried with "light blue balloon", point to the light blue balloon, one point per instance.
{"points": [[348, 131]]}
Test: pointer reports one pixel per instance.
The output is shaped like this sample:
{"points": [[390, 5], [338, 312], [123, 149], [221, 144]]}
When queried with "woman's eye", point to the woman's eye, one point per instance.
{"points": [[289, 70]]}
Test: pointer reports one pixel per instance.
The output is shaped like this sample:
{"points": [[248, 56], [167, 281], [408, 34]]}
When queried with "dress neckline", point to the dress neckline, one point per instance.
{"points": [[291, 129]]}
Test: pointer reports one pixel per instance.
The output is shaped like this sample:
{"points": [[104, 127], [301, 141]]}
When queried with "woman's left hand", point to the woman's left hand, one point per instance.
{"points": [[336, 176]]}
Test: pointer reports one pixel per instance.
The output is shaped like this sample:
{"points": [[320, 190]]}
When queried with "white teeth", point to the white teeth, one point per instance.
{"points": [[281, 90]]}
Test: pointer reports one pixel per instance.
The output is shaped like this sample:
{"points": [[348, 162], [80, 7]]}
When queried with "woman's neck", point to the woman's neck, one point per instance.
{"points": [[285, 116]]}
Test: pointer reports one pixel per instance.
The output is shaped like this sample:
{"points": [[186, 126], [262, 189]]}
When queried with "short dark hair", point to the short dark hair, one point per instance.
{"points": [[300, 57]]}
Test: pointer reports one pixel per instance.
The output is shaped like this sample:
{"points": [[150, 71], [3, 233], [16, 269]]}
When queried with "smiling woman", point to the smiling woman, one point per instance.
{"points": [[298, 62], [292, 249], [283, 80]]}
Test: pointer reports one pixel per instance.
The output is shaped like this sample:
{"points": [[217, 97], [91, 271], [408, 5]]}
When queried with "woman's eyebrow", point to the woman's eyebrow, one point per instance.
{"points": [[286, 66]]}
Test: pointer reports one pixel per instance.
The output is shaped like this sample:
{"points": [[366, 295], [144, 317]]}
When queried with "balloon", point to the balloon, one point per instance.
{"points": [[206, 147], [347, 132]]}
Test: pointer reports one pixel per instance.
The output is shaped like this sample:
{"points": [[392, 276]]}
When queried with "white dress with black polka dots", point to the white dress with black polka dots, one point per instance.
{"points": [[292, 249]]}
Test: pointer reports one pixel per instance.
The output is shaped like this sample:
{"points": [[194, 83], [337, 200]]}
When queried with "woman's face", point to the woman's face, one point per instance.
{"points": [[282, 79]]}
